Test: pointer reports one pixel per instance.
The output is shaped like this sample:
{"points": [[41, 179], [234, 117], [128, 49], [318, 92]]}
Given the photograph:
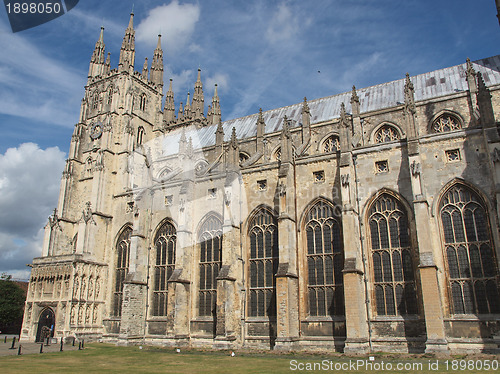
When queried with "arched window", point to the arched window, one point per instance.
{"points": [[331, 144], [277, 154], [121, 270], [142, 104], [472, 270], [165, 242], [446, 122], [243, 157], [110, 95], [386, 133], [140, 135], [325, 261], [393, 263], [263, 263], [210, 237], [89, 167], [95, 101]]}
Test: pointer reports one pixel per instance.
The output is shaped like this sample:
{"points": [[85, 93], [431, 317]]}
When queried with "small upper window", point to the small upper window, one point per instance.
{"points": [[331, 144], [386, 133], [446, 122], [142, 105], [277, 154], [243, 157], [140, 135]]}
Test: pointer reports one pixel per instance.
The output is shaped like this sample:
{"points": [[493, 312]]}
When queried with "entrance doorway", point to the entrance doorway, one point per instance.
{"points": [[46, 324]]}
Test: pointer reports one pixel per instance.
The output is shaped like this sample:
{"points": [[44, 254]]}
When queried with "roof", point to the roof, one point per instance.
{"points": [[428, 85]]}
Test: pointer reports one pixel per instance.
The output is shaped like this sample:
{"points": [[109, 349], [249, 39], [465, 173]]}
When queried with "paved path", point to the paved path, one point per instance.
{"points": [[31, 348]]}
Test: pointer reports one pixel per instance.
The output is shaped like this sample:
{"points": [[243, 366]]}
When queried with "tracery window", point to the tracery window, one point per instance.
{"points": [[472, 269], [331, 144], [277, 154], [445, 123], [243, 157], [121, 270], [386, 133], [165, 243], [392, 257], [263, 264], [110, 95], [95, 101], [210, 238], [325, 261]]}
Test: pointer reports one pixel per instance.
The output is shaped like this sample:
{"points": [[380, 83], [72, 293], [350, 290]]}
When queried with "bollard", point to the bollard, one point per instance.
{"points": [[74, 341], [79, 346], [83, 343], [61, 349], [5, 339], [13, 343], [41, 348], [19, 350]]}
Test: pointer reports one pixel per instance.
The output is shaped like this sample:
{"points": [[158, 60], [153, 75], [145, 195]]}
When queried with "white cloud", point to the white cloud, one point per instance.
{"points": [[284, 25], [30, 179], [176, 23], [42, 91], [222, 81]]}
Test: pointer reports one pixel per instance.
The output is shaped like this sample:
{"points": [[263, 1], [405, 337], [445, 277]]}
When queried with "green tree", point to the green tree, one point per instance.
{"points": [[12, 300]]}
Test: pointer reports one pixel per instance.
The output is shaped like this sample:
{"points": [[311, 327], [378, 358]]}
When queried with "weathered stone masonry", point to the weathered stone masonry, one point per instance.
{"points": [[358, 222]]}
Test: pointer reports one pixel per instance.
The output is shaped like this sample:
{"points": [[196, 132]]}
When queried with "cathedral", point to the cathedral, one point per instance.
{"points": [[359, 222]]}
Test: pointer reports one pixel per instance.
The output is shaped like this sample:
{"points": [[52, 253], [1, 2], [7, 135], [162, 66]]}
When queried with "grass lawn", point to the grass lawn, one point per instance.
{"points": [[99, 358]]}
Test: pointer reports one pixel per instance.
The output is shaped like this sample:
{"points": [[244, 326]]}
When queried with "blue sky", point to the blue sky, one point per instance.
{"points": [[261, 53]]}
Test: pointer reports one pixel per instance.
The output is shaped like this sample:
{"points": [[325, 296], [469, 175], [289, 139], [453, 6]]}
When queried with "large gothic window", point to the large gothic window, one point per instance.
{"points": [[445, 123], [325, 261], [392, 257], [472, 270], [263, 264], [121, 270], [386, 133], [165, 242], [210, 238]]}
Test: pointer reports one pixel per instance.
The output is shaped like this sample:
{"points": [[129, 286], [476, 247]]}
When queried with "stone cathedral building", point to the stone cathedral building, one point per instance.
{"points": [[363, 221]]}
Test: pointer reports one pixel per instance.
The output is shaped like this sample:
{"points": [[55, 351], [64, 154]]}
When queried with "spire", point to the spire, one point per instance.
{"points": [[234, 151], [198, 99], [286, 142], [306, 122], [190, 148], [470, 74], [169, 108], [187, 107], [344, 121], [355, 102], [145, 69], [345, 130], [216, 112], [183, 142], [261, 129], [107, 66], [261, 125], [96, 67], [180, 115], [127, 51], [219, 138], [157, 65], [409, 92], [487, 115]]}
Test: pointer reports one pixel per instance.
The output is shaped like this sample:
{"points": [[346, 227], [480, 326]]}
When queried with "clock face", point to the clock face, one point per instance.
{"points": [[96, 130]]}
